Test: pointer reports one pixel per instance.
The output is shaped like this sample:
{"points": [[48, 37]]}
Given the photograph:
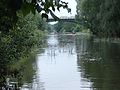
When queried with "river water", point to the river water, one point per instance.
{"points": [[71, 62]]}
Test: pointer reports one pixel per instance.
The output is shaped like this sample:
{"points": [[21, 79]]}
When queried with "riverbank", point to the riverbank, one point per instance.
{"points": [[110, 40], [79, 33]]}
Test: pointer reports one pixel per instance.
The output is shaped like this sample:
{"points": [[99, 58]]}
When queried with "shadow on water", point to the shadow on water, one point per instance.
{"points": [[100, 63]]}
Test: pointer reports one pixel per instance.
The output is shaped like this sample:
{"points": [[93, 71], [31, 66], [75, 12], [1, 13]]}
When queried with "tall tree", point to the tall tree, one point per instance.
{"points": [[101, 17]]}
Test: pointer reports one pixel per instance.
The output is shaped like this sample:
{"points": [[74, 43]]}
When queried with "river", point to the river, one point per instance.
{"points": [[71, 62]]}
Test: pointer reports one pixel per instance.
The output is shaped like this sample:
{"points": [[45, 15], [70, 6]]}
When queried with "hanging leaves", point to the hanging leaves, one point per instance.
{"points": [[53, 8], [25, 8], [39, 8], [47, 6], [57, 2], [53, 15], [69, 10], [44, 15]]}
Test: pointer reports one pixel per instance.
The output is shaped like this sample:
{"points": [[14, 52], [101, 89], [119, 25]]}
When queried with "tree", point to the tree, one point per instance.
{"points": [[9, 9], [65, 27], [17, 47], [101, 17]]}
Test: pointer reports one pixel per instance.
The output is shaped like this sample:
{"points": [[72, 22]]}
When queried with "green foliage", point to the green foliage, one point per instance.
{"points": [[20, 40], [58, 26], [21, 31], [7, 17], [17, 45], [101, 17], [62, 27], [45, 6], [9, 9], [77, 28], [27, 8]]}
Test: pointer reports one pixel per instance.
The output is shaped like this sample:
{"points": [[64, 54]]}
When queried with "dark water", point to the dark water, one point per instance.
{"points": [[72, 62]]}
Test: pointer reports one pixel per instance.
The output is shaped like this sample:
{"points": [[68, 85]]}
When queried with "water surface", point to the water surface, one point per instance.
{"points": [[72, 62]]}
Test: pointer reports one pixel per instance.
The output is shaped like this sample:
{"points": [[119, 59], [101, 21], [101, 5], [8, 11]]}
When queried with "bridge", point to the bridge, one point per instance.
{"points": [[64, 19]]}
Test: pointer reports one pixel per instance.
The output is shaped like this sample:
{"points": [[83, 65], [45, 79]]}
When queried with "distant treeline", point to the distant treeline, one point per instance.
{"points": [[102, 17]]}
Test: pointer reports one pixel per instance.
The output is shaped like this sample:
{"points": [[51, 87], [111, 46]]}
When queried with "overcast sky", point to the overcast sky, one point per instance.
{"points": [[63, 12]]}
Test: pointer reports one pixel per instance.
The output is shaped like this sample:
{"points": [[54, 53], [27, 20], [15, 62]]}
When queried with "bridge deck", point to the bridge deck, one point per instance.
{"points": [[51, 20]]}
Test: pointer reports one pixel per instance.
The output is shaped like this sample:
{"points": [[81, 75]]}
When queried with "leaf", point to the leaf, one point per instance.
{"points": [[46, 1], [33, 1], [53, 15], [15, 4], [58, 8], [69, 10], [64, 2], [65, 6], [25, 8], [32, 8], [51, 2], [42, 3], [44, 15], [53, 8], [46, 5], [39, 8], [57, 2]]}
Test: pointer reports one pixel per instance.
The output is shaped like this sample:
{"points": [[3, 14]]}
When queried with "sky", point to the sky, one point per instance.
{"points": [[63, 12]]}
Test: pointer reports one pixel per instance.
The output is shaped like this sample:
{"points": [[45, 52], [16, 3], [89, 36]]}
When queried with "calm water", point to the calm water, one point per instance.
{"points": [[76, 63]]}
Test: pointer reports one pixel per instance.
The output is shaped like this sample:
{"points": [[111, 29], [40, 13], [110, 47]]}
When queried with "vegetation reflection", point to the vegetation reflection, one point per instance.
{"points": [[99, 63]]}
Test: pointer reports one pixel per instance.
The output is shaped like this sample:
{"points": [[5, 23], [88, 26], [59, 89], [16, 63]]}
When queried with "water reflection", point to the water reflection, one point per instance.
{"points": [[72, 62], [100, 63], [57, 67], [14, 78], [78, 63]]}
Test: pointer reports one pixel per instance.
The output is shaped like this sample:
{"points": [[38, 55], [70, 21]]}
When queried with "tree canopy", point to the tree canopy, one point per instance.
{"points": [[9, 9], [101, 17]]}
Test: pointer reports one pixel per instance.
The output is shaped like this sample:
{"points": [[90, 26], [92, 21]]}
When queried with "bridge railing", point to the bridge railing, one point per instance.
{"points": [[64, 17]]}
